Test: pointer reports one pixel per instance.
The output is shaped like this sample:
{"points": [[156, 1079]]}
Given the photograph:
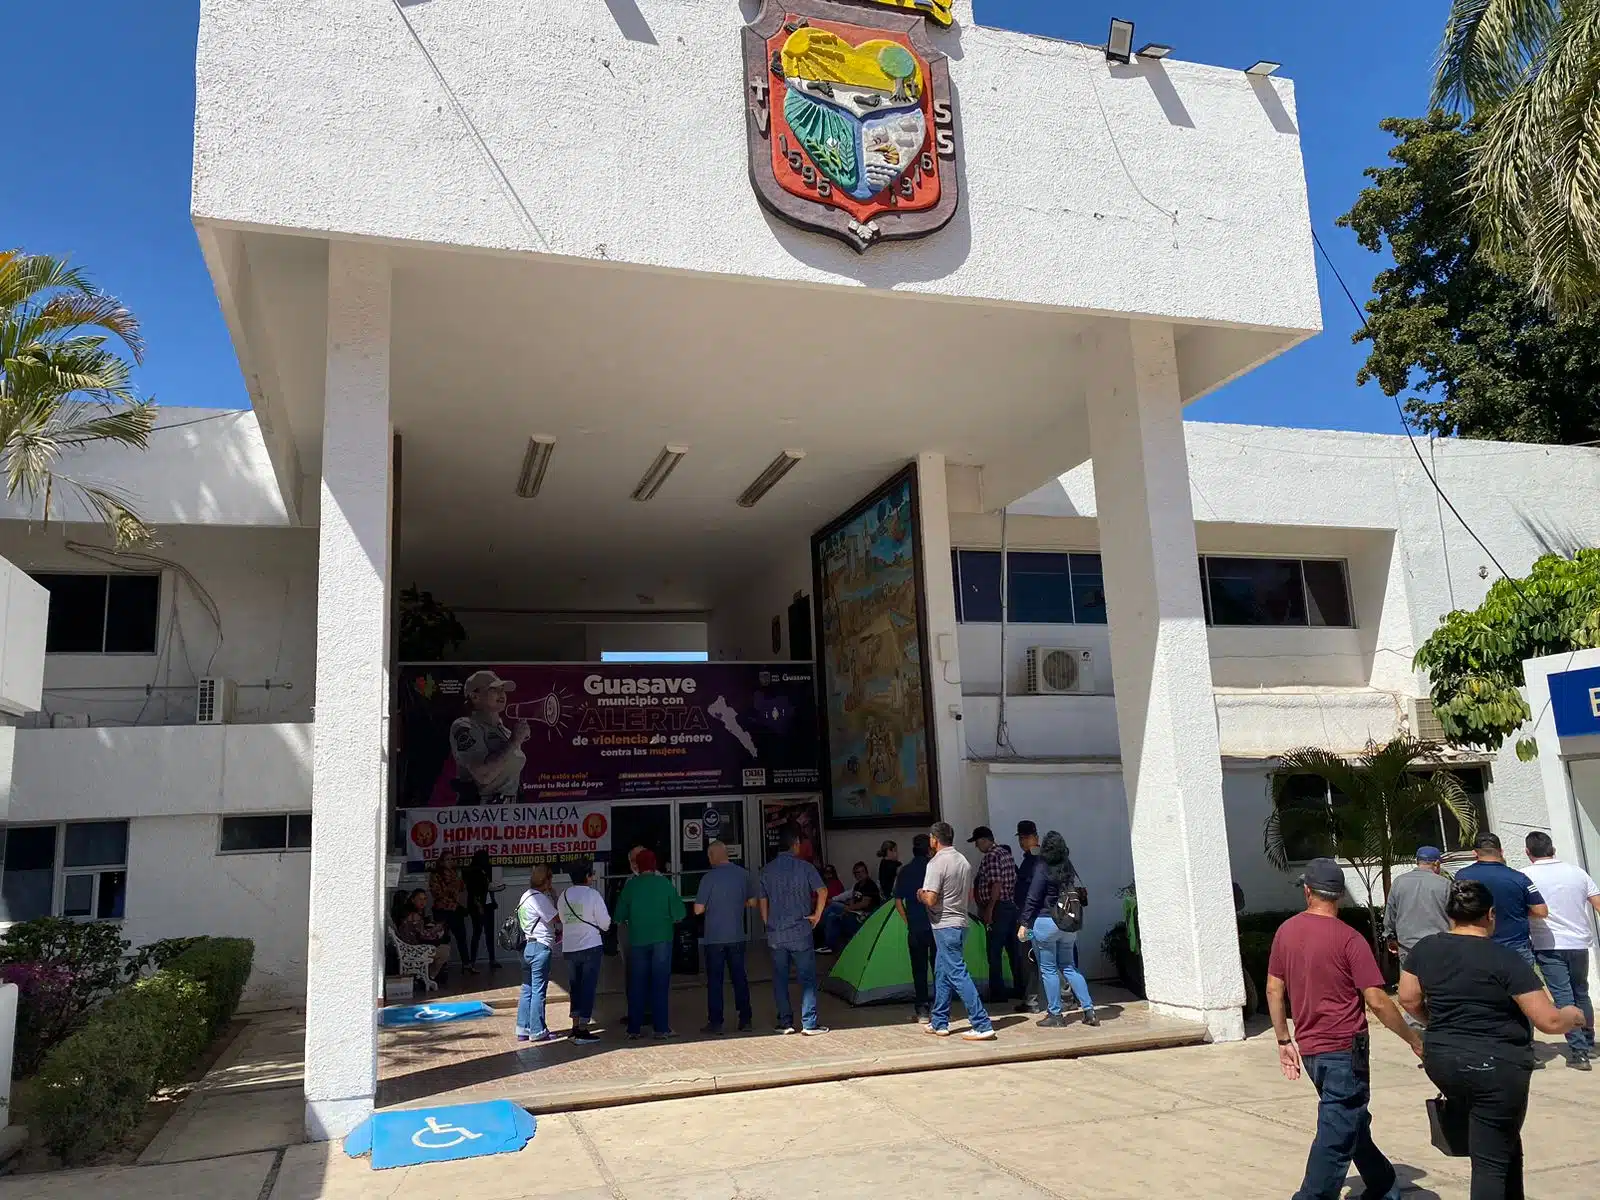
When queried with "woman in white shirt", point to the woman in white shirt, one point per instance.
{"points": [[584, 918], [536, 913]]}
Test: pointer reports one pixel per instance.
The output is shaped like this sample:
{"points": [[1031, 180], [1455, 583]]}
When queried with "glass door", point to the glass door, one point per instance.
{"points": [[633, 826], [701, 822], [1584, 775]]}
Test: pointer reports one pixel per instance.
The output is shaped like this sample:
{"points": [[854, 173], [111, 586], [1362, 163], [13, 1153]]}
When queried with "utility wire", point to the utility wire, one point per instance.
{"points": [[1412, 437]]}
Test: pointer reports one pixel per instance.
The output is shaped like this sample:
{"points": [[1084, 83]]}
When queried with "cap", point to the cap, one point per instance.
{"points": [[982, 831], [1027, 829], [1429, 854], [482, 681], [1323, 875]]}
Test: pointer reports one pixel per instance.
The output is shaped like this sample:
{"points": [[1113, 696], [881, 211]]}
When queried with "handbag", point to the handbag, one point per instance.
{"points": [[1447, 1126]]}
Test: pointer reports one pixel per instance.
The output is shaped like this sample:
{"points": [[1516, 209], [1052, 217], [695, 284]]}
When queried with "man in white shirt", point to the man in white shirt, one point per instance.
{"points": [[1561, 939]]}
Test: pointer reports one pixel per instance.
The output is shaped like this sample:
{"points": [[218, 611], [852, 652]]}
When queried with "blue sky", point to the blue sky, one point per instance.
{"points": [[105, 171]]}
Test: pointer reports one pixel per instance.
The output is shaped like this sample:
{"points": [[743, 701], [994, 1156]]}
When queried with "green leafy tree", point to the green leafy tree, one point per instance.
{"points": [[1474, 659], [63, 386], [1529, 72], [1460, 337], [1381, 798]]}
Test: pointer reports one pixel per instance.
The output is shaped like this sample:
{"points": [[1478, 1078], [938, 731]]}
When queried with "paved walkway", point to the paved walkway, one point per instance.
{"points": [[1208, 1122]]}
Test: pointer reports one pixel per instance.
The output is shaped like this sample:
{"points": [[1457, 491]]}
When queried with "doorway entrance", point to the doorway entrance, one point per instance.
{"points": [[678, 831]]}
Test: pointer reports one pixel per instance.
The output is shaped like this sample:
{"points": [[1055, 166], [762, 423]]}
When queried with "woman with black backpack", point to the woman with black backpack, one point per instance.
{"points": [[1050, 919]]}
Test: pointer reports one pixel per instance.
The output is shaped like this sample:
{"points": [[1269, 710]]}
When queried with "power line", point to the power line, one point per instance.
{"points": [[1412, 437]]}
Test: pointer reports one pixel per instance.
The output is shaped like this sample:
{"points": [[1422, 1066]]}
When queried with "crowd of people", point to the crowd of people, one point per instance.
{"points": [[1485, 959], [1030, 912]]}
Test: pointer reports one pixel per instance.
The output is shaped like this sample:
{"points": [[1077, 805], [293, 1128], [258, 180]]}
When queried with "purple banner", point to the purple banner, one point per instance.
{"points": [[507, 734]]}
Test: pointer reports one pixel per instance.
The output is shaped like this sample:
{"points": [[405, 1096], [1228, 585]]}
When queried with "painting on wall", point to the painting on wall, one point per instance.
{"points": [[872, 642]]}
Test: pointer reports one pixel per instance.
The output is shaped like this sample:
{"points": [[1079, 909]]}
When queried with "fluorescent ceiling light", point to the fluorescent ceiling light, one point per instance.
{"points": [[534, 464], [1154, 50], [663, 466], [768, 479], [1119, 41], [1263, 68]]}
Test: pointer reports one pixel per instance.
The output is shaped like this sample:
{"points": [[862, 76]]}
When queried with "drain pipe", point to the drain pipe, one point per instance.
{"points": [[1002, 733]]}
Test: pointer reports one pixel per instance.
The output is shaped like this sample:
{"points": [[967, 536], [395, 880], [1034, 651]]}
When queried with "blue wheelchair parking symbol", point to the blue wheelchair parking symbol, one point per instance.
{"points": [[404, 1139]]}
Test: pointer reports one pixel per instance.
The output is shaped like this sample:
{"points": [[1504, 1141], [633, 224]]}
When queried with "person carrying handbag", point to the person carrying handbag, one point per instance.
{"points": [[1051, 918], [584, 917]]}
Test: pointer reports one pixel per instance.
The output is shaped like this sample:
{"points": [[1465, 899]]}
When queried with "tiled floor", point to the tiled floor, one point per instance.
{"points": [[481, 1059]]}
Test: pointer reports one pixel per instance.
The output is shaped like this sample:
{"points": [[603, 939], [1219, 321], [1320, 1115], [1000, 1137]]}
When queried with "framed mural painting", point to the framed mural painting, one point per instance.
{"points": [[872, 658]]}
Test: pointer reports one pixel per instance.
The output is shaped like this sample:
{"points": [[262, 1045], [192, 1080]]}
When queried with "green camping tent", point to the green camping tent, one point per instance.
{"points": [[875, 967]]}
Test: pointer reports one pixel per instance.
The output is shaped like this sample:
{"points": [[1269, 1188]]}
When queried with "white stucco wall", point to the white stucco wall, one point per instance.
{"points": [[618, 132], [24, 609], [178, 886]]}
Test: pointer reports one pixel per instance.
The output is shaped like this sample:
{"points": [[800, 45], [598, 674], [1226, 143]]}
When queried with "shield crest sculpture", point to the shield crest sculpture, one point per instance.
{"points": [[851, 128]]}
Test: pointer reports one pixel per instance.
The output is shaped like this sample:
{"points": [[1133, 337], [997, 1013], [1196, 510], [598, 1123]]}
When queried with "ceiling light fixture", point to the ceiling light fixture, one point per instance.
{"points": [[1263, 68], [663, 466], [1154, 50], [534, 464], [1119, 41], [768, 479]]}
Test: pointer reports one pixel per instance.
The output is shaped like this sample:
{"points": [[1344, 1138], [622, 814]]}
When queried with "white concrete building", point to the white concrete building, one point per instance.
{"points": [[445, 236]]}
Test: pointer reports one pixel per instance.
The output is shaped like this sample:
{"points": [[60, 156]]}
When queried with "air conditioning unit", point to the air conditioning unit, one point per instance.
{"points": [[1060, 670], [213, 702], [1425, 725], [69, 720]]}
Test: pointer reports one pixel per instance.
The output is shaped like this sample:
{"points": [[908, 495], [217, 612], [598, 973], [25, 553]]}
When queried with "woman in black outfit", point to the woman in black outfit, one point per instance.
{"points": [[481, 905], [888, 867], [1480, 1001]]}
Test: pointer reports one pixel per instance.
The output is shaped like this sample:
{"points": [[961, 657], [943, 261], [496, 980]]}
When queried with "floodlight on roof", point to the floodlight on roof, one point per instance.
{"points": [[1119, 41]]}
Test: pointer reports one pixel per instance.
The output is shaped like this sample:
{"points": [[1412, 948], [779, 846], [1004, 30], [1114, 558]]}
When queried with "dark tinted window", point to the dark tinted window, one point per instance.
{"points": [[978, 584], [1327, 597], [1256, 591], [1040, 589], [77, 621], [1303, 818], [299, 831], [28, 886], [279, 831], [133, 605], [1088, 590], [96, 844]]}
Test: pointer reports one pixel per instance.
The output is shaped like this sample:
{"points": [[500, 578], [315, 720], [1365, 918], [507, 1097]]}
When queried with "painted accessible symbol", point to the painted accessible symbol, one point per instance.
{"points": [[435, 1131]]}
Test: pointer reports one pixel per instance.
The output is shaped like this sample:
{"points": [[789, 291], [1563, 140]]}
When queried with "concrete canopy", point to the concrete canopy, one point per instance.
{"points": [[615, 362]]}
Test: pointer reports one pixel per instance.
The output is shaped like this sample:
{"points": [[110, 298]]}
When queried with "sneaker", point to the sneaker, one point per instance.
{"points": [[921, 1016], [745, 1025], [584, 1038], [1025, 1008], [668, 1035], [1581, 1062], [1052, 1021], [1090, 1017], [815, 1031], [634, 1037], [937, 1032], [974, 1035], [824, 949], [544, 1039], [522, 1037], [785, 1029], [712, 1029]]}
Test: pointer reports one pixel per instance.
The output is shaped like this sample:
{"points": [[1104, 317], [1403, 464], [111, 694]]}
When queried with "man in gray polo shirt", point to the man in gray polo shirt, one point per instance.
{"points": [[725, 892], [944, 891]]}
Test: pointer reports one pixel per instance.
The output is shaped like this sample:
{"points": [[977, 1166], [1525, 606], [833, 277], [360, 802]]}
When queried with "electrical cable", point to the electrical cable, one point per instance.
{"points": [[1412, 437]]}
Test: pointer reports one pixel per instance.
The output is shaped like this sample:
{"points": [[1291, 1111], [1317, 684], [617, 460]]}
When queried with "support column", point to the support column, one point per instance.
{"points": [[1161, 667], [350, 748], [946, 742]]}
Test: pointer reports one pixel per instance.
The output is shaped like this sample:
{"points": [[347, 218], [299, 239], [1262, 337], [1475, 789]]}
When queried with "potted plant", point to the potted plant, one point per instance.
{"points": [[429, 631], [1121, 944]]}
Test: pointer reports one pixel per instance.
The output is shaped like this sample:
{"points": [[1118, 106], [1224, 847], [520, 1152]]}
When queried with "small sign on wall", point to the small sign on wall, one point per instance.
{"points": [[694, 837]]}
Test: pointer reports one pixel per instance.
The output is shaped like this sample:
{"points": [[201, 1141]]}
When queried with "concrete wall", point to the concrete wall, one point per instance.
{"points": [[24, 609], [620, 132], [260, 583]]}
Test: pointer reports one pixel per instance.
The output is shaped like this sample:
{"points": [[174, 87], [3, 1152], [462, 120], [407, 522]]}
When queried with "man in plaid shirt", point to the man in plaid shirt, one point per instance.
{"points": [[994, 886]]}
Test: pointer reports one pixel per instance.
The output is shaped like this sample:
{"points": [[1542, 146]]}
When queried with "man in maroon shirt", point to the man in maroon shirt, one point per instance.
{"points": [[1326, 970]]}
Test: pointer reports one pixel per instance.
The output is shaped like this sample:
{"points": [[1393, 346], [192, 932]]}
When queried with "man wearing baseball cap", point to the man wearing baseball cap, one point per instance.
{"points": [[1415, 907], [995, 888], [1032, 990], [1327, 971], [488, 755]]}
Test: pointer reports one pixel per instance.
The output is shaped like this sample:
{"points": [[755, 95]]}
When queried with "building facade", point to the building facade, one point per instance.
{"points": [[485, 264]]}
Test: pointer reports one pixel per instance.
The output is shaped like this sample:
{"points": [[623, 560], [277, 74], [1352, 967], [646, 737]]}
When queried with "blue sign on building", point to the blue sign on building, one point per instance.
{"points": [[1575, 702]]}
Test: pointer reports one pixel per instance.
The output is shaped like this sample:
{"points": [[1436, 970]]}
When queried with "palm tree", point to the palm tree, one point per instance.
{"points": [[1528, 72], [62, 387], [1379, 801]]}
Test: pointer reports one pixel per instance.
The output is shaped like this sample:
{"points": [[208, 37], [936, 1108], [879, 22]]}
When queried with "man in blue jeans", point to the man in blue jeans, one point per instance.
{"points": [[1327, 971], [792, 899], [1561, 938], [725, 892], [944, 892]]}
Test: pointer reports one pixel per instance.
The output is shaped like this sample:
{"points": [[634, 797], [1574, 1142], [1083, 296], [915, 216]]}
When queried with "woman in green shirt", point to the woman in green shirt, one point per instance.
{"points": [[651, 908]]}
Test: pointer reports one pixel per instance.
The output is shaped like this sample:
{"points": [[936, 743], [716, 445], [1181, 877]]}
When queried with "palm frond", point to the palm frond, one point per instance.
{"points": [[1489, 47], [23, 275]]}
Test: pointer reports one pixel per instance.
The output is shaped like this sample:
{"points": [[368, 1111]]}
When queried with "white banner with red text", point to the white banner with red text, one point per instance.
{"points": [[512, 834]]}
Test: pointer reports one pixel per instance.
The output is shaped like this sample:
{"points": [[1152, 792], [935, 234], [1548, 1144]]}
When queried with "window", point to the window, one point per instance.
{"points": [[1275, 591], [266, 834], [654, 656], [1042, 588], [78, 869], [1306, 797], [101, 614]]}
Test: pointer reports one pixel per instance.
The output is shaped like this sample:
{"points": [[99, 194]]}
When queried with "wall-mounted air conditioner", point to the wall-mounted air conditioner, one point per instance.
{"points": [[1425, 725], [213, 702], [69, 720], [1060, 670]]}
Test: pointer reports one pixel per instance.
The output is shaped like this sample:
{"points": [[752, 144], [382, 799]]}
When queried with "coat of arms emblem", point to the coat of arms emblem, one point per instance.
{"points": [[851, 129]]}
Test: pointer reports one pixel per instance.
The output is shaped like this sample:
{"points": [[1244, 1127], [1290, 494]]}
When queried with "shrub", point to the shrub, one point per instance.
{"points": [[94, 951], [222, 967], [46, 1011], [92, 1088]]}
